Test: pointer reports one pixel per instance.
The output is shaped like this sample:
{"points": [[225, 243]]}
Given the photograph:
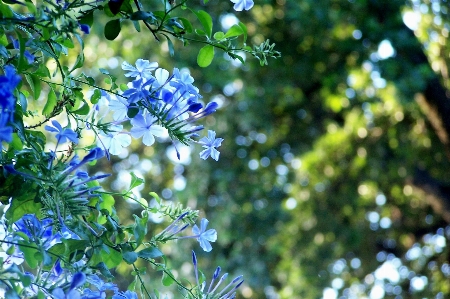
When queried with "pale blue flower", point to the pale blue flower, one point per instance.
{"points": [[240, 5], [120, 108], [115, 140], [143, 69], [210, 143], [228, 292], [63, 135], [204, 236], [137, 91], [144, 126]]}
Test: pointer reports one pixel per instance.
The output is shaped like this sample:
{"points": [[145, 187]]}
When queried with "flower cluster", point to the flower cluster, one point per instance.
{"points": [[156, 104], [8, 82], [60, 233], [213, 291]]}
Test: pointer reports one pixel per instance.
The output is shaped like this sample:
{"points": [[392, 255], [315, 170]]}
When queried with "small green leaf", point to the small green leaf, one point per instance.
{"points": [[205, 56], [51, 103], [129, 257], [42, 71], [235, 30], [96, 96], [112, 29], [79, 62], [107, 202], [26, 280], [219, 35], [135, 181], [137, 26], [112, 258], [29, 255], [171, 47], [206, 21], [35, 85], [200, 32], [156, 197], [87, 18], [83, 110], [244, 30], [140, 229], [167, 280], [16, 142], [141, 15], [187, 25], [150, 253]]}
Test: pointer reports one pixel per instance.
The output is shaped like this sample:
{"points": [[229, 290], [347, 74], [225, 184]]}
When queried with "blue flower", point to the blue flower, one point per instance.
{"points": [[8, 83], [85, 28], [204, 236], [137, 91], [144, 126], [210, 143], [143, 69], [240, 5], [5, 130], [63, 135], [228, 292]]}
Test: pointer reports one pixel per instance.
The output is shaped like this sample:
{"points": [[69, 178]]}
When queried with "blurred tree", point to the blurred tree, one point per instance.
{"points": [[333, 177]]}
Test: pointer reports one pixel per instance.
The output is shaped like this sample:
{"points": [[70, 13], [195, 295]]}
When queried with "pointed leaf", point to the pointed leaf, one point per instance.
{"points": [[206, 21], [205, 56], [112, 29]]}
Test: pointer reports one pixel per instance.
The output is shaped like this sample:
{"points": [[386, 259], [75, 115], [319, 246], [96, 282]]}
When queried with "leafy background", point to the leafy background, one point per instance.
{"points": [[333, 163]]}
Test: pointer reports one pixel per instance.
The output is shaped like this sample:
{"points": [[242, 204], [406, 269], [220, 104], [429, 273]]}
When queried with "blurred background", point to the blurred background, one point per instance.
{"points": [[333, 179]]}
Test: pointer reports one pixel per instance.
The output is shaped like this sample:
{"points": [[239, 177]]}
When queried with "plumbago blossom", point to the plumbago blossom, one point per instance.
{"points": [[160, 104], [60, 234]]}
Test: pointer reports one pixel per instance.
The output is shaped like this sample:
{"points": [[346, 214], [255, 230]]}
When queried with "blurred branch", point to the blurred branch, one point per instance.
{"points": [[436, 192]]}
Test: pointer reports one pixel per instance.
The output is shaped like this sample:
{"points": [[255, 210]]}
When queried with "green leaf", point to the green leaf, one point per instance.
{"points": [[205, 56], [140, 229], [29, 255], [187, 25], [137, 26], [112, 258], [206, 21], [19, 208], [83, 110], [104, 269], [26, 280], [68, 246], [156, 197], [107, 202], [79, 62], [6, 11], [35, 85], [141, 15], [171, 47], [51, 103], [87, 18], [150, 253], [129, 257], [235, 30], [112, 29], [244, 30], [219, 35], [16, 142], [96, 96], [135, 181], [42, 71], [167, 280]]}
